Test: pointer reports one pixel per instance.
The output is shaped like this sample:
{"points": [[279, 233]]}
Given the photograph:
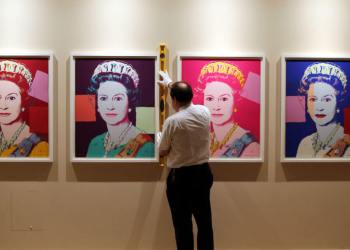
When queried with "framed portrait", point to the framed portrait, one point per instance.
{"points": [[113, 107], [232, 87], [26, 111], [315, 120]]}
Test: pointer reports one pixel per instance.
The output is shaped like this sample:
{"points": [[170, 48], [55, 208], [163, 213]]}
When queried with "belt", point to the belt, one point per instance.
{"points": [[190, 168]]}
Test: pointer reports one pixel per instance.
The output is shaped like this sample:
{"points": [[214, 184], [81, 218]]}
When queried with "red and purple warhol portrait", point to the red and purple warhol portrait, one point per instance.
{"points": [[24, 107]]}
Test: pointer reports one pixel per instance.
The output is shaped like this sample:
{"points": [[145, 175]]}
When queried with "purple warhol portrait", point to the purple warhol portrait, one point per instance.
{"points": [[114, 107]]}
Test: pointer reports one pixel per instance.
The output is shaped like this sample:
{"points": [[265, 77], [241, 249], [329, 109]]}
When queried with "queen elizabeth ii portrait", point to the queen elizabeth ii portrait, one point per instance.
{"points": [[120, 89], [322, 87], [23, 108], [230, 89]]}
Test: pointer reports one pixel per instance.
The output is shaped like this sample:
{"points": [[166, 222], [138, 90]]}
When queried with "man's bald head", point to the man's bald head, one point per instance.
{"points": [[182, 92]]}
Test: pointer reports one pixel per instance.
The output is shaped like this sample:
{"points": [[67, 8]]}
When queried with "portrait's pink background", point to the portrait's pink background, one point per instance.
{"points": [[248, 103]]}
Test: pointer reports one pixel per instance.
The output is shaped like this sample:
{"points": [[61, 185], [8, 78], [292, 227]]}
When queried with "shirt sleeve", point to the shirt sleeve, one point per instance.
{"points": [[165, 140], [207, 112]]}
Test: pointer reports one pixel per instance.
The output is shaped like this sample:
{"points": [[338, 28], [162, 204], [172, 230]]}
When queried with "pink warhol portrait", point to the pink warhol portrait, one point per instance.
{"points": [[230, 89]]}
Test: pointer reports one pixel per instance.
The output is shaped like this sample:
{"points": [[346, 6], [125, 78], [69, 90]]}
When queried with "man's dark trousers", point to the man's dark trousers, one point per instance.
{"points": [[188, 192]]}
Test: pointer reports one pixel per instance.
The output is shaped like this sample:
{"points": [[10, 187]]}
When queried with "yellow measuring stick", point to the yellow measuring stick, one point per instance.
{"points": [[163, 112]]}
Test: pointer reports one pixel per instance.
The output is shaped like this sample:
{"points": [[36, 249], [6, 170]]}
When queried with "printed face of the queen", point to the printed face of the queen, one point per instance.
{"points": [[10, 102], [321, 103], [112, 102], [218, 98]]}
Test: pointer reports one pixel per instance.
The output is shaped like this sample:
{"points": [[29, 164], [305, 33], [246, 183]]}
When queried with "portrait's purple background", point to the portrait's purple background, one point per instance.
{"points": [[84, 68]]}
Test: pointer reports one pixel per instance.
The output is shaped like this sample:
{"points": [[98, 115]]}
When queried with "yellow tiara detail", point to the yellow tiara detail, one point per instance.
{"points": [[223, 68], [325, 69]]}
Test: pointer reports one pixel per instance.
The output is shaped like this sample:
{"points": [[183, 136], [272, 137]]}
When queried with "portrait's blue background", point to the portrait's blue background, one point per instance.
{"points": [[295, 132]]}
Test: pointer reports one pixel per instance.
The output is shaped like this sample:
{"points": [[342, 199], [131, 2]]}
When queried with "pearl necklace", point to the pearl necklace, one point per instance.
{"points": [[6, 144], [215, 144], [317, 144], [109, 145]]}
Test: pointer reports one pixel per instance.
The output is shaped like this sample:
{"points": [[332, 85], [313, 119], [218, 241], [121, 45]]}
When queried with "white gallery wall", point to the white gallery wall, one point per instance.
{"points": [[109, 206]]}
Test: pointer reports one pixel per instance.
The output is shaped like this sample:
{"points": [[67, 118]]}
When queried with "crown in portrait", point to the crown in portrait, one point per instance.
{"points": [[115, 67], [325, 69], [15, 68], [223, 70]]}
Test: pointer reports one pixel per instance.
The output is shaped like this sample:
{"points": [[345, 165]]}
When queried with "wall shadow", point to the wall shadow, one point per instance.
{"points": [[25, 171], [109, 172], [237, 171], [316, 171]]}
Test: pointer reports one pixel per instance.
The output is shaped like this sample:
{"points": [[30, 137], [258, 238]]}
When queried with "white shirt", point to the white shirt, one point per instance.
{"points": [[187, 137]]}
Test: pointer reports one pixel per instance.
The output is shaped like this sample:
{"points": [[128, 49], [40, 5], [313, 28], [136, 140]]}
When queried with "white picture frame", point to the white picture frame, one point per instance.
{"points": [[28, 55], [307, 59], [110, 55]]}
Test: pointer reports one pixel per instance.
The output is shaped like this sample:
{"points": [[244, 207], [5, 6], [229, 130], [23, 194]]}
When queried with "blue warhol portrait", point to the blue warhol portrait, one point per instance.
{"points": [[317, 94]]}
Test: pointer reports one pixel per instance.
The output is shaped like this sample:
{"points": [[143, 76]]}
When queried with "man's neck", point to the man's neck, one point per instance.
{"points": [[184, 106]]}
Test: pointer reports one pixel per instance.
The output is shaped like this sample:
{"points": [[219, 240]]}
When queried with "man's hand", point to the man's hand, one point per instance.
{"points": [[158, 137], [166, 79]]}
